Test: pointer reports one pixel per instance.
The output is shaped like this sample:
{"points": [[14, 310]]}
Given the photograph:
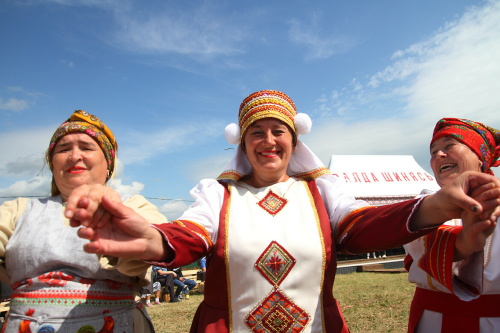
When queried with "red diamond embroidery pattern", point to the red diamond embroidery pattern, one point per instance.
{"points": [[272, 203], [275, 263], [276, 314]]}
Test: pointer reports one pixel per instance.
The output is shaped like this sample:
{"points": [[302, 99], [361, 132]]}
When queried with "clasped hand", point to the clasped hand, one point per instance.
{"points": [[112, 228]]}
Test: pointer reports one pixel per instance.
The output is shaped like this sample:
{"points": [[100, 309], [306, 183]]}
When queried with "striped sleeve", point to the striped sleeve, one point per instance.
{"points": [[367, 228], [359, 228], [198, 230], [437, 260]]}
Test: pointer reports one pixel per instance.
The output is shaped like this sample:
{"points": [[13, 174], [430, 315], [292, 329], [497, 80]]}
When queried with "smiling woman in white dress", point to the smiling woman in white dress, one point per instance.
{"points": [[274, 213]]}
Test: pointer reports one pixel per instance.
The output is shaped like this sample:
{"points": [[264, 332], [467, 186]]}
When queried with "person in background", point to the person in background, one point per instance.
{"points": [[56, 285], [166, 279], [183, 285], [274, 213], [381, 254], [153, 288], [202, 263], [455, 267]]}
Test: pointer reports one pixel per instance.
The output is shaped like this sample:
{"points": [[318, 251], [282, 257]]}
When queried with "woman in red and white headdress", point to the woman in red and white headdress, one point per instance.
{"points": [[455, 267], [271, 225]]}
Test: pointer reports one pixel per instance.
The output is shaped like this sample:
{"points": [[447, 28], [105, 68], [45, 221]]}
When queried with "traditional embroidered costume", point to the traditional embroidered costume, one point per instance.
{"points": [[452, 296], [57, 287], [260, 241], [458, 296]]}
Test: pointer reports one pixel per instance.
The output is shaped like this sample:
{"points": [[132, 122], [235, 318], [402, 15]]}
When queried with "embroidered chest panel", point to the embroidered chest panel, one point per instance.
{"points": [[267, 256]]}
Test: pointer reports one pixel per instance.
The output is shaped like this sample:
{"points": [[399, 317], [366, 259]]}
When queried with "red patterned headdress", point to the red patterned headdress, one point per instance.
{"points": [[483, 140]]}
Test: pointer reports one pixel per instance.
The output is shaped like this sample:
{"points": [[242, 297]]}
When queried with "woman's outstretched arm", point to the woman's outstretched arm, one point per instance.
{"points": [[452, 199], [127, 234]]}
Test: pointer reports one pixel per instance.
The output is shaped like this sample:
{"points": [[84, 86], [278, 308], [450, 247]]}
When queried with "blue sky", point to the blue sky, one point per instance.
{"points": [[168, 76]]}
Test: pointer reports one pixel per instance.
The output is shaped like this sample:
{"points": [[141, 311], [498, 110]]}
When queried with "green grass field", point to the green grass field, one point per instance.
{"points": [[371, 302]]}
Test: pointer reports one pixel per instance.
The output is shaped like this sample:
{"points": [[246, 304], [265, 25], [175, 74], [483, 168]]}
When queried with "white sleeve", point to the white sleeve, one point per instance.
{"points": [[338, 200], [205, 211]]}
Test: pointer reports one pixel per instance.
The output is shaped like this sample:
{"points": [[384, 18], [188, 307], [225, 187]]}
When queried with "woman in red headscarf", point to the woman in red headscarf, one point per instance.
{"points": [[455, 267]]}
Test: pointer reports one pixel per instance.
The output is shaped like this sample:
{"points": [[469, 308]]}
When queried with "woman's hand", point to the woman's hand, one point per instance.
{"points": [[127, 235], [449, 202], [472, 237], [84, 205], [489, 197]]}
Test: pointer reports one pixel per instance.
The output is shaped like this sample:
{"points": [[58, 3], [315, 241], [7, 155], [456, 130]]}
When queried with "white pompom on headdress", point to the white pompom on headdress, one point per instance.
{"points": [[232, 133], [302, 123], [267, 104]]}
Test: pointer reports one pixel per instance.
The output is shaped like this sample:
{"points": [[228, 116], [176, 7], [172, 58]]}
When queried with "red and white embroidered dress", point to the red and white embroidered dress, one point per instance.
{"points": [[452, 296], [258, 252]]}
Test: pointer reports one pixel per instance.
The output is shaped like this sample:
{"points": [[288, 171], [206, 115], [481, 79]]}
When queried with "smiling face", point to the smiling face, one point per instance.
{"points": [[78, 160], [450, 158], [268, 145]]}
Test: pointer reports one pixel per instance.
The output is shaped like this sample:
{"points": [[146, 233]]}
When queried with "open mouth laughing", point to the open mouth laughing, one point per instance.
{"points": [[446, 167]]}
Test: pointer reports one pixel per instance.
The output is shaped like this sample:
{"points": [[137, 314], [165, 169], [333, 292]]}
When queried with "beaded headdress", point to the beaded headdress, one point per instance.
{"points": [[267, 104], [303, 164]]}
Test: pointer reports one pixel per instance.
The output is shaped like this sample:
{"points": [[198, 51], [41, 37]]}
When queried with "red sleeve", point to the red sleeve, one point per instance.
{"points": [[437, 260], [188, 240], [369, 229]]}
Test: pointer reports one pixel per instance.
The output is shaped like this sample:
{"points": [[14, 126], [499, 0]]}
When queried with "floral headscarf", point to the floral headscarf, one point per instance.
{"points": [[483, 140], [83, 122]]}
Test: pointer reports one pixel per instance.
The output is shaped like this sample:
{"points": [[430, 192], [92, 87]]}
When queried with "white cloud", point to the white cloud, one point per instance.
{"points": [[138, 147], [33, 94], [24, 147], [199, 31], [208, 168], [91, 3], [126, 190], [318, 47], [371, 137], [13, 104], [68, 63], [38, 186], [173, 209], [455, 73], [27, 165]]}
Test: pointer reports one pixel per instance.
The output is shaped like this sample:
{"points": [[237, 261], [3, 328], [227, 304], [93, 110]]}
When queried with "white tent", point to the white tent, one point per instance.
{"points": [[382, 179]]}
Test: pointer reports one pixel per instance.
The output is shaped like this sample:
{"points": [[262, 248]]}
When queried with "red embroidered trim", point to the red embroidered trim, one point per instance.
{"points": [[192, 228], [276, 314], [272, 203], [313, 174], [438, 258]]}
